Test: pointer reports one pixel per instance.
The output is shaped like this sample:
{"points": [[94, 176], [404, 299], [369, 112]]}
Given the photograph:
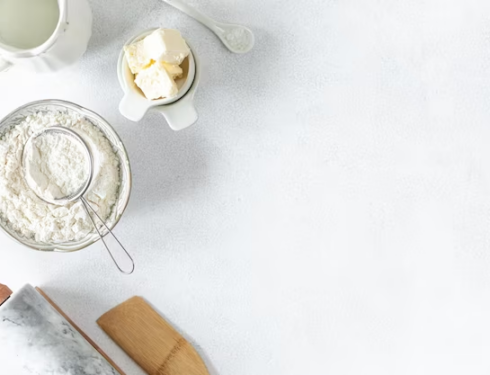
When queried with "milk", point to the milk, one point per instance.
{"points": [[27, 23]]}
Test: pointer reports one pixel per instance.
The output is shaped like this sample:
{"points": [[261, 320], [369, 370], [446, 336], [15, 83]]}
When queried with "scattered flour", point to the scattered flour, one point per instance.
{"points": [[31, 217]]}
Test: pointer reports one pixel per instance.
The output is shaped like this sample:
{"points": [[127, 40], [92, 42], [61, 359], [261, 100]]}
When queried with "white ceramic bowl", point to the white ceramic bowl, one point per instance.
{"points": [[122, 200], [179, 111]]}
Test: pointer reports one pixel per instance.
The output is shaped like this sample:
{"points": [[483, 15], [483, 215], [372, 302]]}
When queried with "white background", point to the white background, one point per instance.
{"points": [[330, 211]]}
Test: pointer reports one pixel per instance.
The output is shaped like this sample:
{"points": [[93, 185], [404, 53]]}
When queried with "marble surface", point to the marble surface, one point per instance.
{"points": [[330, 211], [39, 341]]}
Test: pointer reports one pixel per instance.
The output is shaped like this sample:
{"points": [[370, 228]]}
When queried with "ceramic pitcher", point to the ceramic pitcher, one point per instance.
{"points": [[43, 35]]}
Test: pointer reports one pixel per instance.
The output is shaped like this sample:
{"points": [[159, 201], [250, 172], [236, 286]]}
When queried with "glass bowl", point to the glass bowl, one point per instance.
{"points": [[17, 116]]}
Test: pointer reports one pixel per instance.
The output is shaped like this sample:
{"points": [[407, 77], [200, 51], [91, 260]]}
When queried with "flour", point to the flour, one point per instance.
{"points": [[239, 39], [31, 217], [56, 165]]}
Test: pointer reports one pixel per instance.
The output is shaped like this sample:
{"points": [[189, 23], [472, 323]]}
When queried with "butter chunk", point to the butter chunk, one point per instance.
{"points": [[175, 71], [137, 57], [166, 45], [156, 82]]}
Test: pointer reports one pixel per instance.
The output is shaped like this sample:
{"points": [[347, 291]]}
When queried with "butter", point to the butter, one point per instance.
{"points": [[155, 62], [156, 82], [166, 45], [173, 70], [137, 57]]}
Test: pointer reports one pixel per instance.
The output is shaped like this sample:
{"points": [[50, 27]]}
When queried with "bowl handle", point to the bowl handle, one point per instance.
{"points": [[181, 114], [133, 107]]}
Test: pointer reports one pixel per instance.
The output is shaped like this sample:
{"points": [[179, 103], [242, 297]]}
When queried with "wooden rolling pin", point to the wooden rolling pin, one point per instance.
{"points": [[152, 342]]}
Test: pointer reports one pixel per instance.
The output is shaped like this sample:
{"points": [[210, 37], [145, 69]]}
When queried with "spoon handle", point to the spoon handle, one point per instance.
{"points": [[194, 13], [118, 251]]}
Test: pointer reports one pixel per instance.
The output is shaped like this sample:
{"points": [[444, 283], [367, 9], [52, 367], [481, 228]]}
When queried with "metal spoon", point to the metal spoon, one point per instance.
{"points": [[79, 193], [238, 39]]}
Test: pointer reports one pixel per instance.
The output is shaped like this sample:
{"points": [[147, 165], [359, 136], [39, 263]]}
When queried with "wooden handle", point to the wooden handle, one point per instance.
{"points": [[5, 293], [152, 342]]}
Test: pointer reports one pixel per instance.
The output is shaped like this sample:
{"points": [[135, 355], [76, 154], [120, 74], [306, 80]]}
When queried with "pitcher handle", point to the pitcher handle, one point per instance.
{"points": [[4, 65]]}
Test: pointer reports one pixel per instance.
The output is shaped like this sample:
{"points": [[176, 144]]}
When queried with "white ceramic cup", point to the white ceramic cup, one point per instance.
{"points": [[65, 46], [179, 111]]}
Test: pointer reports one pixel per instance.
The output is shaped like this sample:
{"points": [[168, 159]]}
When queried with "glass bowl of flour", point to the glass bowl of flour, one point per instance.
{"points": [[47, 227]]}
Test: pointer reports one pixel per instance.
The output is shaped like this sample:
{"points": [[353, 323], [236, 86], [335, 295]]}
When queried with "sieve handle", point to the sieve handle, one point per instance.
{"points": [[118, 253]]}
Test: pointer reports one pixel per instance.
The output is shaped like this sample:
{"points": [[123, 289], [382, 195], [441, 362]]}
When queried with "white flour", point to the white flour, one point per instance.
{"points": [[24, 212], [238, 38], [56, 165]]}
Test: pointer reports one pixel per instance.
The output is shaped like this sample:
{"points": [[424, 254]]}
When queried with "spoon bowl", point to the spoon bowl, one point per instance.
{"points": [[237, 38]]}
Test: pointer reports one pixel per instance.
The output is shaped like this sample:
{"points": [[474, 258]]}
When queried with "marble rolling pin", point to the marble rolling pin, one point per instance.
{"points": [[37, 338], [152, 342]]}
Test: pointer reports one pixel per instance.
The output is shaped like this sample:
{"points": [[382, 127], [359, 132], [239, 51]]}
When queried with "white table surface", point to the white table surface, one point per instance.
{"points": [[330, 211]]}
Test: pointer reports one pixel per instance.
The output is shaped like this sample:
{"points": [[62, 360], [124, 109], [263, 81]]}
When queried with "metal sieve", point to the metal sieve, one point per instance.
{"points": [[79, 194]]}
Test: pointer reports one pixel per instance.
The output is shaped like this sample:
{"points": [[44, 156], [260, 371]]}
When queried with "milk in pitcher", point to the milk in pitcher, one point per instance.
{"points": [[26, 24]]}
